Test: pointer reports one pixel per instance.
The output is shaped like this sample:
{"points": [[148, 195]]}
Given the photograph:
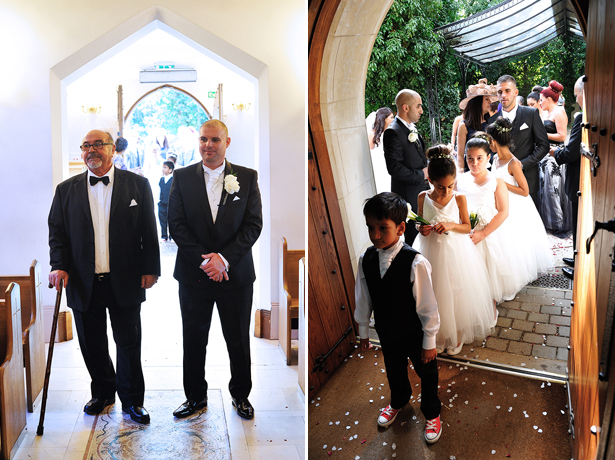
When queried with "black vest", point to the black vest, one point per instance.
{"points": [[393, 303]]}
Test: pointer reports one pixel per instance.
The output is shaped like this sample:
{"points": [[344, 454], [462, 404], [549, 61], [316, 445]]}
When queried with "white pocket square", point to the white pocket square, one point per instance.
{"points": [[133, 203], [236, 198], [523, 126]]}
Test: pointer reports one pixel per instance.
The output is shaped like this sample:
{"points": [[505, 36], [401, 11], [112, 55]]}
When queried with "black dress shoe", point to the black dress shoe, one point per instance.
{"points": [[568, 272], [95, 406], [244, 408], [568, 261], [137, 414], [189, 407]]}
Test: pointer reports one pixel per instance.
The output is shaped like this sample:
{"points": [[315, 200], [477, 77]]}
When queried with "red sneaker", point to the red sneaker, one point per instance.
{"points": [[387, 416], [433, 430]]}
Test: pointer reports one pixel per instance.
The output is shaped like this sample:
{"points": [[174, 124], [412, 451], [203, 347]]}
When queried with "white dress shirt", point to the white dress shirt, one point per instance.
{"points": [[512, 114], [422, 290], [99, 196], [213, 182], [410, 126]]}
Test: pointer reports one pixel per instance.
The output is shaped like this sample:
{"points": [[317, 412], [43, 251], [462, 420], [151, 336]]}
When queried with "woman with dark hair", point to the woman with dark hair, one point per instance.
{"points": [[554, 206], [475, 106], [118, 156], [530, 232], [376, 123]]}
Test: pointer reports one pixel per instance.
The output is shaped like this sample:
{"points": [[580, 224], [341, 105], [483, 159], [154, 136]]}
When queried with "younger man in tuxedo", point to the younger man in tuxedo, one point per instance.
{"points": [[215, 218], [529, 135], [394, 281]]}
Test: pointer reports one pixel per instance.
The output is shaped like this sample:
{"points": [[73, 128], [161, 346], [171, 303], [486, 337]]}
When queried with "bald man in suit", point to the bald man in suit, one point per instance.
{"points": [[404, 153]]}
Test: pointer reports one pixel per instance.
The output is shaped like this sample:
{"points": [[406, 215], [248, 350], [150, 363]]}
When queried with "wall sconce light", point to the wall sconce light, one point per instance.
{"points": [[241, 107], [90, 109]]}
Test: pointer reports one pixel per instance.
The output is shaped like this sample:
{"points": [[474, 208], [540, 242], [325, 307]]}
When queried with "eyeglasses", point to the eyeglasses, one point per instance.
{"points": [[96, 145]]}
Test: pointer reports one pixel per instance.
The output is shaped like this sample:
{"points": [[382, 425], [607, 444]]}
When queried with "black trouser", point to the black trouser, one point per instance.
{"points": [[234, 308], [92, 333], [396, 363], [163, 212], [575, 217]]}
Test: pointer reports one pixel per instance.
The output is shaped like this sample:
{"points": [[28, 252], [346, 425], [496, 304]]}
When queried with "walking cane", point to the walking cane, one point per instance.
{"points": [[54, 327]]}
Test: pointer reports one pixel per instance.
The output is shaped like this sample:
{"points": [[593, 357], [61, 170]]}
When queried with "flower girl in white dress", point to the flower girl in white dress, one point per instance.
{"points": [[522, 213], [494, 236], [459, 276]]}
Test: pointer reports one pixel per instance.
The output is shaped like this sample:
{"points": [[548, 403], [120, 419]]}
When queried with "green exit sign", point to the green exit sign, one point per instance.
{"points": [[211, 94]]}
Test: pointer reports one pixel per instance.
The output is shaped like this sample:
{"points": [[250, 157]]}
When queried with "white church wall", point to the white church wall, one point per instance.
{"points": [[41, 35]]}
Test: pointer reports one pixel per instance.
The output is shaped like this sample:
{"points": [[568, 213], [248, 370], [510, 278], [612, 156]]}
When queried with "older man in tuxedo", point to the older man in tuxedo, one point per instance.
{"points": [[104, 247], [529, 135], [404, 153], [215, 217]]}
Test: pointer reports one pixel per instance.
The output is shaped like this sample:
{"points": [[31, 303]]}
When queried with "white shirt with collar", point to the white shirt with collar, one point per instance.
{"points": [[422, 290], [410, 126], [512, 114], [99, 197]]}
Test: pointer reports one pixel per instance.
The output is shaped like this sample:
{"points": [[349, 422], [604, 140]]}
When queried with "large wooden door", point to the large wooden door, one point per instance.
{"points": [[331, 332], [592, 401]]}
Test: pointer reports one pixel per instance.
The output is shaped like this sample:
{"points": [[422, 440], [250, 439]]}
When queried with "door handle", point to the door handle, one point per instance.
{"points": [[609, 226]]}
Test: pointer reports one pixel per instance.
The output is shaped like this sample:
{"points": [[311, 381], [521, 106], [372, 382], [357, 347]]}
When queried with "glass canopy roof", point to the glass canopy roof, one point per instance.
{"points": [[512, 28]]}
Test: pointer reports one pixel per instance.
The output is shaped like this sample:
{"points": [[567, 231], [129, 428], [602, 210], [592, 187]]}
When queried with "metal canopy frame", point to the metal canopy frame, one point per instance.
{"points": [[511, 28]]}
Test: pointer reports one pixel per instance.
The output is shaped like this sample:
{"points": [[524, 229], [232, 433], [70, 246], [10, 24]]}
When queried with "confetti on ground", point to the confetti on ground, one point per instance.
{"points": [[394, 446], [493, 452], [544, 413]]}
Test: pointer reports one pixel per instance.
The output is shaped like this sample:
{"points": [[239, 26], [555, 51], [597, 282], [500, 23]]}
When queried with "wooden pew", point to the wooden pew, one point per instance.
{"points": [[12, 399], [302, 285], [32, 327], [289, 294]]}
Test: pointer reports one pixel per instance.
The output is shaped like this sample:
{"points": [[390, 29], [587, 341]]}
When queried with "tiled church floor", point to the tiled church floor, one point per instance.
{"points": [[278, 428]]}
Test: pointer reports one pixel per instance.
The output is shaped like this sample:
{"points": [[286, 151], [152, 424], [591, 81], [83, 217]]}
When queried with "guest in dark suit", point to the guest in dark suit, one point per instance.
{"points": [[104, 246], [404, 152], [215, 217], [165, 189], [570, 154], [529, 136]]}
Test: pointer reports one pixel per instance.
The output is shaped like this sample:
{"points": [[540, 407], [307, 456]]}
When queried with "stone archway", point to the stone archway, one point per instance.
{"points": [[342, 106]]}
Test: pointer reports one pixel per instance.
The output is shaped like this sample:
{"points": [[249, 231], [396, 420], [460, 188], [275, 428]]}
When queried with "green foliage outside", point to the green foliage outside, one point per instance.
{"points": [[407, 51], [166, 108]]}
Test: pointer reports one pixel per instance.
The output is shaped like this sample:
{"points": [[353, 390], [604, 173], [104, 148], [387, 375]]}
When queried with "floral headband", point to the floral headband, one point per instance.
{"points": [[502, 129], [484, 137]]}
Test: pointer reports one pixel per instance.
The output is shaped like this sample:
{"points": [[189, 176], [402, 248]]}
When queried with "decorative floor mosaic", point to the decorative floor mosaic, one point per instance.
{"points": [[203, 436]]}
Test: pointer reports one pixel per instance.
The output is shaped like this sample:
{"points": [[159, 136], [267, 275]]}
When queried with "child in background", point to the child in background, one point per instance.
{"points": [[394, 281], [522, 213], [493, 235], [163, 205], [466, 314]]}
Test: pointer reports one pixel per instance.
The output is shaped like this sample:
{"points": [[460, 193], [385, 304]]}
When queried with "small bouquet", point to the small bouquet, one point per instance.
{"points": [[473, 219], [415, 217], [418, 219]]}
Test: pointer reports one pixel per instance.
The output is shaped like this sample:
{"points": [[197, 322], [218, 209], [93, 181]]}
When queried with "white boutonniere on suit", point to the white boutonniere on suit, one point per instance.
{"points": [[231, 185], [413, 136]]}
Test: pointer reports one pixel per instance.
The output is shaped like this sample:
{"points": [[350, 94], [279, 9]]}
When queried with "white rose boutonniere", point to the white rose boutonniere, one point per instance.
{"points": [[231, 185], [413, 136]]}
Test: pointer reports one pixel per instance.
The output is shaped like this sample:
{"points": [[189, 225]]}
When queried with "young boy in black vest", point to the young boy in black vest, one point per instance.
{"points": [[163, 205], [394, 281]]}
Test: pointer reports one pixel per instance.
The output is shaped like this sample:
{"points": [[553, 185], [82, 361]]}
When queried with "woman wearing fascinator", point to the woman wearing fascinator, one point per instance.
{"points": [[554, 206], [376, 123], [475, 106]]}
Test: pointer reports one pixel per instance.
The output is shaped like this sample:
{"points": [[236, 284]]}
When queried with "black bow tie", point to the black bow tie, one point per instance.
{"points": [[95, 180]]}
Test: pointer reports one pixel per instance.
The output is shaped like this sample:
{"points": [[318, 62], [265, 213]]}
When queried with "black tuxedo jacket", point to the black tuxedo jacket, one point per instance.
{"points": [[530, 144], [238, 225], [405, 161], [133, 238], [165, 190], [570, 154]]}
